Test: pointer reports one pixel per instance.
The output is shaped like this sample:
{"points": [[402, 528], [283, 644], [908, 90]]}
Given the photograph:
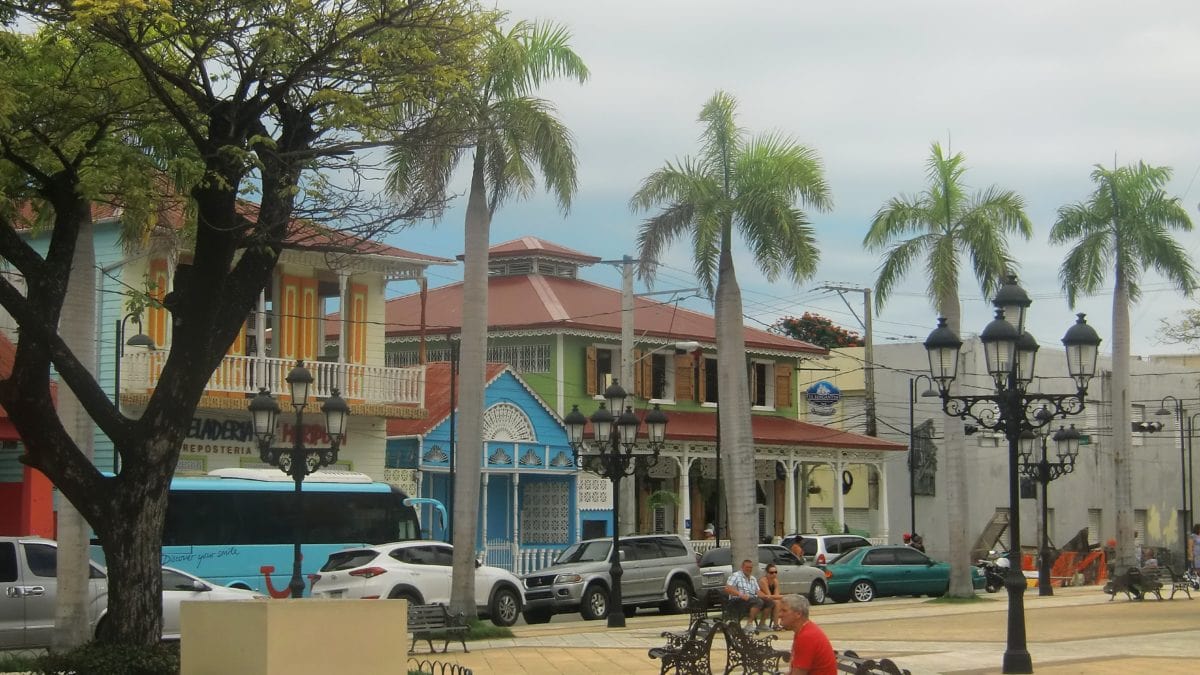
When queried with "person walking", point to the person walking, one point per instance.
{"points": [[742, 589], [812, 653], [768, 590], [1194, 537]]}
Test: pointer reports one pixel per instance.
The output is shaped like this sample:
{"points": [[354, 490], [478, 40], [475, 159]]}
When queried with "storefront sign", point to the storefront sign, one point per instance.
{"points": [[822, 397]]}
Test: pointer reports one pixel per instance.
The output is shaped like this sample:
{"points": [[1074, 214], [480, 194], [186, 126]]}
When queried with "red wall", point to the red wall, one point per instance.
{"points": [[27, 508]]}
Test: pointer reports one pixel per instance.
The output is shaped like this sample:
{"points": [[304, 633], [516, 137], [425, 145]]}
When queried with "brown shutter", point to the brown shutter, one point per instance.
{"points": [[783, 385], [684, 378], [590, 371], [701, 381], [753, 378], [644, 367]]}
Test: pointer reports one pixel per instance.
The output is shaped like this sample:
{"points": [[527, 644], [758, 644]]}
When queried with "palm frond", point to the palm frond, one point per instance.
{"points": [[896, 263], [1086, 265], [898, 217], [657, 233], [942, 266], [721, 137]]}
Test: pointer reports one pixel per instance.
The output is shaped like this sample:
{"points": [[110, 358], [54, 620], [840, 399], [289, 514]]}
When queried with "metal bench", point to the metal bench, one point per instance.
{"points": [[1135, 583], [751, 654], [850, 662], [687, 652], [1178, 582], [427, 622]]}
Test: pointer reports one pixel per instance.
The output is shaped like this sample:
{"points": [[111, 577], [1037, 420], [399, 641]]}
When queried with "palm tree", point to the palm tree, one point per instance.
{"points": [[946, 223], [509, 130], [1123, 228], [753, 184]]}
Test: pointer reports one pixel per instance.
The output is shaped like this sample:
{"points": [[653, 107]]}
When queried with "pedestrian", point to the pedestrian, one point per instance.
{"points": [[768, 590], [709, 531], [918, 543], [1195, 547], [812, 653], [798, 548], [907, 539], [742, 589]]}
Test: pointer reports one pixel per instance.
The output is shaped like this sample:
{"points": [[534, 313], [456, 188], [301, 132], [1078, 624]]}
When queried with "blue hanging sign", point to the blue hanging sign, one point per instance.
{"points": [[822, 397]]}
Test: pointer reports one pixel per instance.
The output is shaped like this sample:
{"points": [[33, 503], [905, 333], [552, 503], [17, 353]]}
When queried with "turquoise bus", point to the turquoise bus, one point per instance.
{"points": [[230, 525]]}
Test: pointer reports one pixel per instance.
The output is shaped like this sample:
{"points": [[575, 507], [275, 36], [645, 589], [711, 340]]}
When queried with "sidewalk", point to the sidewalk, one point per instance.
{"points": [[1076, 630]]}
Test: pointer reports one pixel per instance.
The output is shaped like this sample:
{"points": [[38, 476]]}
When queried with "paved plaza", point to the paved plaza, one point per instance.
{"points": [[1076, 631]]}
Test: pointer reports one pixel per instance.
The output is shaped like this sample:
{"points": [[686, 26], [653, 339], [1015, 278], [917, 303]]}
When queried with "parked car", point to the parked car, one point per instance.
{"points": [[29, 589], [418, 571], [822, 549], [179, 586], [874, 571], [657, 570], [794, 576]]}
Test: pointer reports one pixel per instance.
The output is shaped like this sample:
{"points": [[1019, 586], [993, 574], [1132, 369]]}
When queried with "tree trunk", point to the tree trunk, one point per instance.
{"points": [[958, 512], [737, 439], [469, 454], [72, 625], [1121, 431]]}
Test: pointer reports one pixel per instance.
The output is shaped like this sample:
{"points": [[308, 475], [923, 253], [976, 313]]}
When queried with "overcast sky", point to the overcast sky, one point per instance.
{"points": [[1032, 93]]}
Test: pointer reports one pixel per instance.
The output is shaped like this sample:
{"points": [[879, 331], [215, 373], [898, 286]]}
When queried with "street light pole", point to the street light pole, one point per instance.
{"points": [[915, 462], [616, 444], [1180, 413], [298, 461], [1010, 353], [1066, 443], [139, 340]]}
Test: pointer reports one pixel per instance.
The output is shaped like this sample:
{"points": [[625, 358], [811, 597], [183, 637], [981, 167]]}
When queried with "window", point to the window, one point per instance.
{"points": [[174, 581], [607, 367], [910, 556], [762, 384], [42, 560], [662, 377], [709, 373], [8, 562], [883, 556]]}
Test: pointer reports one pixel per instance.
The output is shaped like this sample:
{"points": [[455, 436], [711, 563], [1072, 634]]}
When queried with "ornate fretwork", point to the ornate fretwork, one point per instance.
{"points": [[594, 492], [531, 458], [500, 456], [436, 455], [507, 422], [544, 513], [561, 459]]}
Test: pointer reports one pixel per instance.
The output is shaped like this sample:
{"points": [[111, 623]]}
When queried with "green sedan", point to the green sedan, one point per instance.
{"points": [[866, 573]]}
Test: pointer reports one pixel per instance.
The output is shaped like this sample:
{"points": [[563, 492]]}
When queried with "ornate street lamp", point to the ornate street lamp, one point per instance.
{"points": [[1066, 444], [298, 461], [616, 452], [1012, 410], [139, 340]]}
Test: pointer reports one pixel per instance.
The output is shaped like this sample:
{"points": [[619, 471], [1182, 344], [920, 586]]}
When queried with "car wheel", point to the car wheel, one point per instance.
{"points": [[594, 604], [862, 591], [398, 594], [505, 607], [818, 593], [679, 597], [991, 587], [536, 616]]}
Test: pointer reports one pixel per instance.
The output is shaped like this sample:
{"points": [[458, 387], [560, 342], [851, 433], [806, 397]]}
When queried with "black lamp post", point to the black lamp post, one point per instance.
{"points": [[1180, 413], [139, 340], [298, 461], [616, 451], [1066, 442], [916, 461], [1010, 354]]}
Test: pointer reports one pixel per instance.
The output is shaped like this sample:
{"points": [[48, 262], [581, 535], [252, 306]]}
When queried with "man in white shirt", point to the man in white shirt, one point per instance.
{"points": [[742, 589]]}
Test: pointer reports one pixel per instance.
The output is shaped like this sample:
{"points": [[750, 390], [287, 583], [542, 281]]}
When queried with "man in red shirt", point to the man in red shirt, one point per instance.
{"points": [[811, 652]]}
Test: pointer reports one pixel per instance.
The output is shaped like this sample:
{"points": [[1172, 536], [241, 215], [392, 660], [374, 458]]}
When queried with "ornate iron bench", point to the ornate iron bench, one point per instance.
{"points": [[687, 652], [427, 622], [1135, 583], [751, 654]]}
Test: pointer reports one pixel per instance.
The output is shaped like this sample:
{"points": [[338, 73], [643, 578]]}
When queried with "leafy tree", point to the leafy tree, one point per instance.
{"points": [[273, 99], [513, 135], [943, 223], [751, 184], [1122, 230], [817, 330], [1186, 330]]}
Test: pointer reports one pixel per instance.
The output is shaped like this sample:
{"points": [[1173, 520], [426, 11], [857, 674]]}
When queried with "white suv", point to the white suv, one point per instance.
{"points": [[822, 549], [418, 571]]}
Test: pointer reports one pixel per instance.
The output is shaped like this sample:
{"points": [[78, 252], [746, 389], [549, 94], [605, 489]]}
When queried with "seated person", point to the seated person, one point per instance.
{"points": [[742, 589], [769, 591]]}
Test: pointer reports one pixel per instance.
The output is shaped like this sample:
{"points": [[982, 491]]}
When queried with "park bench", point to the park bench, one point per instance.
{"points": [[1137, 582], [687, 652], [850, 662], [427, 622], [751, 654]]}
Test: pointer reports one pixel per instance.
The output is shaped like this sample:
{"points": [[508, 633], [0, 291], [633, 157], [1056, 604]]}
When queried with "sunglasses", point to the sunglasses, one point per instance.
{"points": [[772, 571]]}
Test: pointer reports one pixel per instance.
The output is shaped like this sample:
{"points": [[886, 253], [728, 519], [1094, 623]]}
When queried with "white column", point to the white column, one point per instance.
{"points": [[883, 502], [789, 513], [516, 522], [344, 301], [260, 347], [839, 500], [483, 498], [685, 496]]}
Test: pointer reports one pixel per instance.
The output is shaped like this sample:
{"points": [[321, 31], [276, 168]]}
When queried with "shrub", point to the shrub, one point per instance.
{"points": [[96, 658]]}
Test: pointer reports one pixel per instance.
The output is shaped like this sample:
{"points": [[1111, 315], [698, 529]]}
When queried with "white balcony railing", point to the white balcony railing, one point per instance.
{"points": [[247, 374]]}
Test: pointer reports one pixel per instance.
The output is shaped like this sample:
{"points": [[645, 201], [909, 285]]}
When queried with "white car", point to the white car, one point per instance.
{"points": [[417, 571], [180, 586]]}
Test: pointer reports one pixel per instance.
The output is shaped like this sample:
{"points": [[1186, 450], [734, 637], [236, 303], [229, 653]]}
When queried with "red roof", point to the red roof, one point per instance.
{"points": [[767, 429], [437, 399], [531, 301], [532, 246]]}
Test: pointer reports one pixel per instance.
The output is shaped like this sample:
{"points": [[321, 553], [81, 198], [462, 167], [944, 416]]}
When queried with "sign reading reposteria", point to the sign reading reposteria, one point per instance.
{"points": [[822, 397]]}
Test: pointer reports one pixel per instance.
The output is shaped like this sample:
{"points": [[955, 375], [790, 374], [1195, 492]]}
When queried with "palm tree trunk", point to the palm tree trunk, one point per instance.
{"points": [[72, 626], [737, 439], [1121, 435], [958, 514], [469, 454]]}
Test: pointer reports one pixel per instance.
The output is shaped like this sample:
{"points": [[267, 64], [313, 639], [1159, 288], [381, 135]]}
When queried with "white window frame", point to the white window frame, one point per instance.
{"points": [[668, 360], [768, 369], [614, 374]]}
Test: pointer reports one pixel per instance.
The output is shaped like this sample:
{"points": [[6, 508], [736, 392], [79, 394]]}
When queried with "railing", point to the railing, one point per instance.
{"points": [[500, 553], [246, 374]]}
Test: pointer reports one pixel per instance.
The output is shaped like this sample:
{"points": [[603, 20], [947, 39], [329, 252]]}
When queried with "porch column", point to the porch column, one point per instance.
{"points": [[344, 301], [883, 502], [483, 491], [789, 489], [685, 496], [516, 524], [260, 344]]}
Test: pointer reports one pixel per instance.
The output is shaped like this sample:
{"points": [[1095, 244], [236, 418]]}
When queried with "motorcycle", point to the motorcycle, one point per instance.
{"points": [[994, 569]]}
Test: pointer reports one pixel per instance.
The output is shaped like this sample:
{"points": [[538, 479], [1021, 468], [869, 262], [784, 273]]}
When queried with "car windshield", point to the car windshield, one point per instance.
{"points": [[848, 558], [715, 558], [585, 551]]}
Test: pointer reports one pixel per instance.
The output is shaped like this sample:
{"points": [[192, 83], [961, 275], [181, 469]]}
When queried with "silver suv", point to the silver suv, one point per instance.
{"points": [[657, 570]]}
